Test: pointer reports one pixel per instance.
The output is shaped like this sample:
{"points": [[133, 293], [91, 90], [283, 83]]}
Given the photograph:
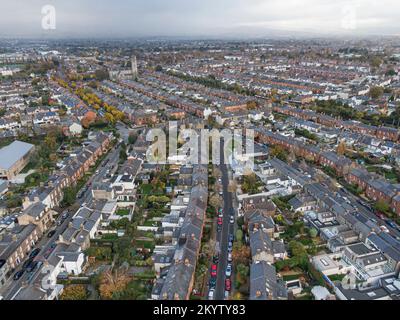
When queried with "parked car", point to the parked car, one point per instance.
{"points": [[226, 295], [213, 282], [229, 257], [220, 221], [391, 224], [232, 220], [214, 270], [65, 215], [26, 263], [18, 274], [231, 238], [34, 253], [51, 233], [211, 294], [228, 271], [215, 259], [32, 266], [228, 284], [59, 222]]}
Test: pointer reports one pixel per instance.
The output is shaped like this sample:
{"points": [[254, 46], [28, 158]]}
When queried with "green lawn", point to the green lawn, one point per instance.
{"points": [[146, 189], [122, 212]]}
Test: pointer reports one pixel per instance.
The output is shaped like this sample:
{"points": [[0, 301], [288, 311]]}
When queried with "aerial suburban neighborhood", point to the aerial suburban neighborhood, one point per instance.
{"points": [[105, 193]]}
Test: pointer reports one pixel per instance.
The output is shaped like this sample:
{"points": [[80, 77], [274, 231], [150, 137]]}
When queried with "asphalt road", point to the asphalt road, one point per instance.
{"points": [[227, 229]]}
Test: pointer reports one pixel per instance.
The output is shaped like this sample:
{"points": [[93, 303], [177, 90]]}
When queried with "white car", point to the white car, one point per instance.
{"points": [[230, 257], [228, 271], [232, 220], [211, 294], [226, 295]]}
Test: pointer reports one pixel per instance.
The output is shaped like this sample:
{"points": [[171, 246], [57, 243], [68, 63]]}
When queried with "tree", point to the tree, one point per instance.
{"points": [[382, 206], [313, 232], [112, 282], [376, 92], [239, 235], [341, 148], [74, 292], [215, 201], [278, 152], [88, 119], [296, 248], [101, 74], [50, 142], [375, 62], [249, 183], [251, 105], [132, 138], [69, 197]]}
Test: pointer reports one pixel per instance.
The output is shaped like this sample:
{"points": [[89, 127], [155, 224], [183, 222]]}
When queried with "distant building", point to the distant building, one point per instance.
{"points": [[13, 158]]}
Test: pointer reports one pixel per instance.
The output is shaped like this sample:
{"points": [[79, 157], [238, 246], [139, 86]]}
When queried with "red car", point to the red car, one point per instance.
{"points": [[228, 284], [219, 220], [214, 270]]}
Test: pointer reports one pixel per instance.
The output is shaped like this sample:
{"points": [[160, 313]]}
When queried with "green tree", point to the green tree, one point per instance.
{"points": [[239, 235], [376, 92], [382, 206], [69, 197]]}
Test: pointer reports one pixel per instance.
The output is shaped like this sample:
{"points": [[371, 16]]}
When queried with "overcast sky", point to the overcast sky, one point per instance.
{"points": [[132, 18]]}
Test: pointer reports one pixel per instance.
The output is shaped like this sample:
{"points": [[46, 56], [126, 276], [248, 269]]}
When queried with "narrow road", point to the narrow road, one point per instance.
{"points": [[227, 229]]}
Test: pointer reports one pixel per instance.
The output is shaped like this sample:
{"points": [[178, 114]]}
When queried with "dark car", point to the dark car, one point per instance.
{"points": [[231, 238], [391, 224], [51, 233], [213, 282], [65, 215], [215, 259], [18, 274], [34, 253], [26, 263], [32, 266]]}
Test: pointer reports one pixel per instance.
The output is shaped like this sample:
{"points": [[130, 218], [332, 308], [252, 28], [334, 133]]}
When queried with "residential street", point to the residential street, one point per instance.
{"points": [[227, 229]]}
